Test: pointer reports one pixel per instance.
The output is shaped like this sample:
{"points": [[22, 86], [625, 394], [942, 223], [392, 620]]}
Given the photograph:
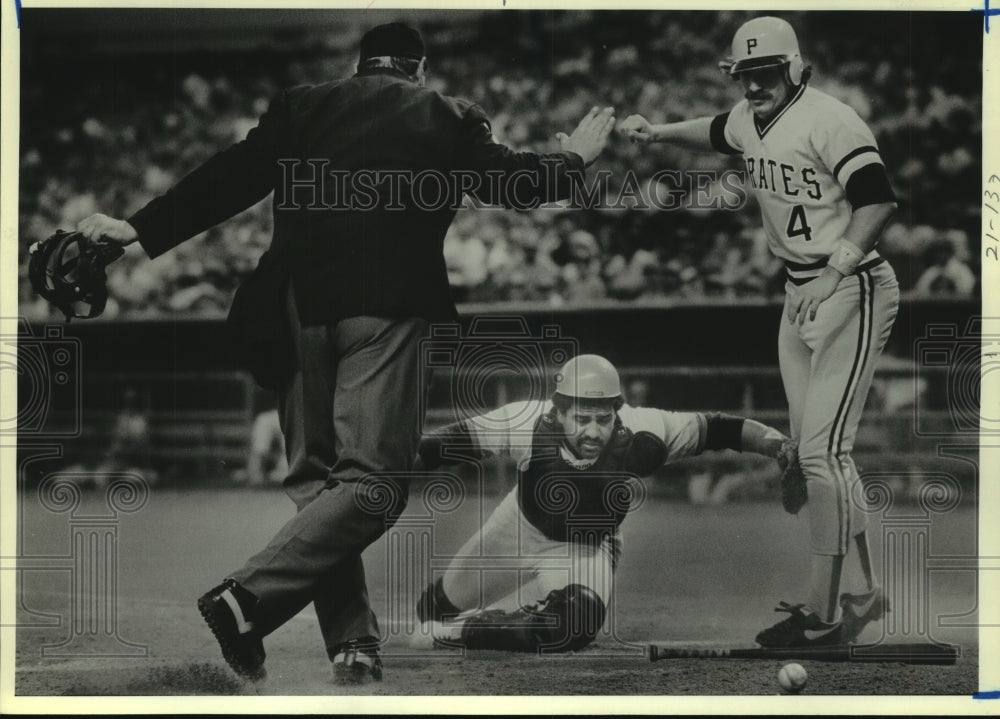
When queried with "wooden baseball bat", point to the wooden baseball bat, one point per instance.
{"points": [[925, 653]]}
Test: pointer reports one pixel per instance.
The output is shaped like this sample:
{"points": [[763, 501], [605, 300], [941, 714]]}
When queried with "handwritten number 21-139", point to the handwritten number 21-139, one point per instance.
{"points": [[996, 197]]}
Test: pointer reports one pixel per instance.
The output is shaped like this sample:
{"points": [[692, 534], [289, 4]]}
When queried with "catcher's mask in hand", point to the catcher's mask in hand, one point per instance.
{"points": [[67, 269]]}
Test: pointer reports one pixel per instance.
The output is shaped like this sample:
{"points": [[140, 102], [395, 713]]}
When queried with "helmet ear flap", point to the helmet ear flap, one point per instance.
{"points": [[793, 70]]}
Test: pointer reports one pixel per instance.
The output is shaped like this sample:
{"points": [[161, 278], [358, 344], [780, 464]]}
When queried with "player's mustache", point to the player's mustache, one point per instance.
{"points": [[756, 96]]}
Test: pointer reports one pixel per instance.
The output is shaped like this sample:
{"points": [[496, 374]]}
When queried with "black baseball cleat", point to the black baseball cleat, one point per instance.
{"points": [[357, 662], [803, 628], [229, 610], [860, 610]]}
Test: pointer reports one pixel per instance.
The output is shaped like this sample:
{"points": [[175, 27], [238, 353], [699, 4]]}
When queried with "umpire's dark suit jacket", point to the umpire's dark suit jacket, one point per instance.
{"points": [[352, 262]]}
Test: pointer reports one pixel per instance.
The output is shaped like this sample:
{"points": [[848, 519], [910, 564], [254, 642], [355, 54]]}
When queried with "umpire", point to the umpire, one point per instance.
{"points": [[358, 227]]}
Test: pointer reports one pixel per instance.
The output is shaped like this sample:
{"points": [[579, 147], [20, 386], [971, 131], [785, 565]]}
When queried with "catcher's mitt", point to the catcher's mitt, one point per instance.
{"points": [[67, 269], [793, 482]]}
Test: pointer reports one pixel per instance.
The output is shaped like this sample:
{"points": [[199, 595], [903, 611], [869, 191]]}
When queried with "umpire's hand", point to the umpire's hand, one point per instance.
{"points": [[591, 135], [97, 226]]}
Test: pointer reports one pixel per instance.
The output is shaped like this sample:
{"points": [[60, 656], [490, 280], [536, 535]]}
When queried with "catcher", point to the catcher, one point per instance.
{"points": [[578, 457]]}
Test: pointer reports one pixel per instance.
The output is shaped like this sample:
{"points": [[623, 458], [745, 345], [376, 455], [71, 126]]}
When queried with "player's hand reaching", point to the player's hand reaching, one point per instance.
{"points": [[98, 225], [591, 135], [637, 129], [802, 302]]}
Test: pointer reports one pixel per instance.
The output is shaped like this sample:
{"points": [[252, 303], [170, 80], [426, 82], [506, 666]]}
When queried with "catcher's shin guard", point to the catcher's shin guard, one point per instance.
{"points": [[566, 620], [434, 604]]}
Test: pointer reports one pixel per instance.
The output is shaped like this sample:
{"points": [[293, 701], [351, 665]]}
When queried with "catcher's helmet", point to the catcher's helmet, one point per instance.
{"points": [[767, 42], [590, 378], [67, 269]]}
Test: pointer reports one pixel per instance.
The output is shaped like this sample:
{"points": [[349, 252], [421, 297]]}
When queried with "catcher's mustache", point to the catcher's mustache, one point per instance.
{"points": [[757, 96]]}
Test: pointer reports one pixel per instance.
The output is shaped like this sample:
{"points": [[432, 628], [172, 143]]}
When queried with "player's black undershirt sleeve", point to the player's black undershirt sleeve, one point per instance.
{"points": [[455, 437], [717, 134], [723, 431], [869, 186]]}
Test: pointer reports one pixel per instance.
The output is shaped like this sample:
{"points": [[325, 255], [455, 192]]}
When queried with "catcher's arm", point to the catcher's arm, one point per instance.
{"points": [[724, 431], [768, 441], [759, 438]]}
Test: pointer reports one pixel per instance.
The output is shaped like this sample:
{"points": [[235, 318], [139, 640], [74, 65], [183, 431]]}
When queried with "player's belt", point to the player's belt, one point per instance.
{"points": [[798, 266]]}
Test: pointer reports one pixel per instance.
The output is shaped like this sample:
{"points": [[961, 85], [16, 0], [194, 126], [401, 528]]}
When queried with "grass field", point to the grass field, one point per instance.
{"points": [[694, 576]]}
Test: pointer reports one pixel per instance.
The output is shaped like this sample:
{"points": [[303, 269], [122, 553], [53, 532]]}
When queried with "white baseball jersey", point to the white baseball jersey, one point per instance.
{"points": [[508, 430], [798, 164], [546, 467]]}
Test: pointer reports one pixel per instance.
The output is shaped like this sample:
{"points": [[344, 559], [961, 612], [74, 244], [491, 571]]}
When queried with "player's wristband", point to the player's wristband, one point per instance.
{"points": [[845, 258]]}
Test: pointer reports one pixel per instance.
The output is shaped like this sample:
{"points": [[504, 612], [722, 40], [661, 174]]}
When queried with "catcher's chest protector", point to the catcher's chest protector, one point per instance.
{"points": [[565, 502]]}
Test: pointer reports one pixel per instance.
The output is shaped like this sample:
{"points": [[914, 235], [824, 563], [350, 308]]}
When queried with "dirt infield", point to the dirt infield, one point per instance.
{"points": [[690, 576]]}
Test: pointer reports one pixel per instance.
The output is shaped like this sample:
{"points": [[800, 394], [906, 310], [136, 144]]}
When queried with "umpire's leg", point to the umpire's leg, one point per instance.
{"points": [[305, 404], [377, 417]]}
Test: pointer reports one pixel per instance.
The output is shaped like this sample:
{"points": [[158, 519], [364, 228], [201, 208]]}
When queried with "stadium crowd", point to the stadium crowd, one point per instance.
{"points": [[122, 140]]}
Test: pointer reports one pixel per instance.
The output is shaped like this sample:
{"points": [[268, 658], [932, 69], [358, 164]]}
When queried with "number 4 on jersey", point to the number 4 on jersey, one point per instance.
{"points": [[797, 223]]}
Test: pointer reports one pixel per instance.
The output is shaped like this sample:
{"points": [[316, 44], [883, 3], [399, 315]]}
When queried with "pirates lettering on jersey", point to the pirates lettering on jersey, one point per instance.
{"points": [[560, 497], [799, 164], [781, 177]]}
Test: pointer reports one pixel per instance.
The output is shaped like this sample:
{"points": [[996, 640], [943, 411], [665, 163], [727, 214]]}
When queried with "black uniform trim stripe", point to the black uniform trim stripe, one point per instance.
{"points": [[838, 487], [866, 277], [855, 369], [869, 185], [861, 268], [761, 131], [850, 156], [717, 134], [834, 584], [817, 265]]}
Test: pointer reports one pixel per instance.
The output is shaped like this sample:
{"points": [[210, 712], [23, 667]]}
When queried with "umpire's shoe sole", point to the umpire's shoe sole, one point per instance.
{"points": [[225, 609]]}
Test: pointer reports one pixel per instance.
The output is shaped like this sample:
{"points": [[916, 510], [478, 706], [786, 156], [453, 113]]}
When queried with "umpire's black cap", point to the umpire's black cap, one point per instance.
{"points": [[394, 39]]}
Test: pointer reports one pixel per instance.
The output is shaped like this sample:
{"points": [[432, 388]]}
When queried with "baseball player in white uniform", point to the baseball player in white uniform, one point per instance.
{"points": [[556, 536], [816, 172]]}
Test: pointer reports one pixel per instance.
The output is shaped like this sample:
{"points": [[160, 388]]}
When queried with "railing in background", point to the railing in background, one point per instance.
{"points": [[199, 423]]}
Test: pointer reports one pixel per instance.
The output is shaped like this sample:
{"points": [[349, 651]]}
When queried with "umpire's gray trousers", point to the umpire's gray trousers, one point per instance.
{"points": [[353, 408]]}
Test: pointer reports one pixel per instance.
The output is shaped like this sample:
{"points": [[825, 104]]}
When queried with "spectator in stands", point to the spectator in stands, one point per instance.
{"points": [[554, 247], [465, 258], [580, 277], [681, 276], [946, 275], [631, 270]]}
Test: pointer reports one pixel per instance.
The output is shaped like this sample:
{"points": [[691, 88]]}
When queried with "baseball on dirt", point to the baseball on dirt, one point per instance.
{"points": [[792, 678]]}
